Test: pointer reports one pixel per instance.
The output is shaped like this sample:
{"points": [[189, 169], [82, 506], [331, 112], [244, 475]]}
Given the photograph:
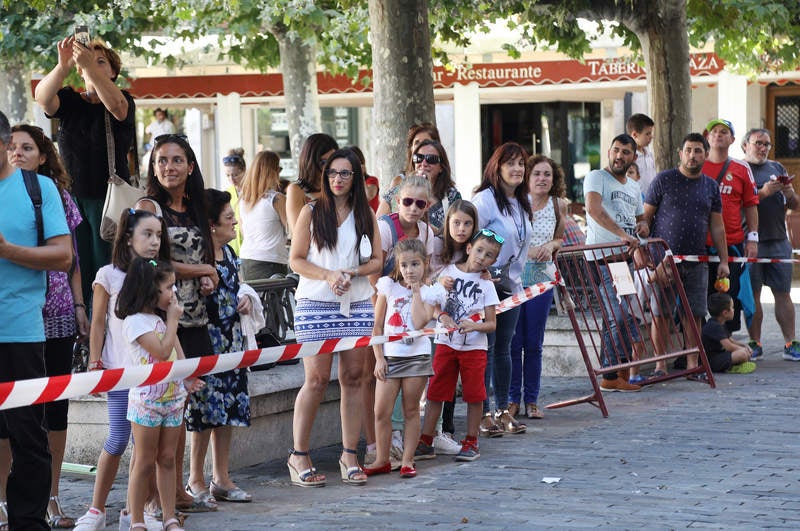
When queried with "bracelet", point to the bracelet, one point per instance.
{"points": [[79, 305], [752, 237], [439, 317], [96, 365], [354, 272]]}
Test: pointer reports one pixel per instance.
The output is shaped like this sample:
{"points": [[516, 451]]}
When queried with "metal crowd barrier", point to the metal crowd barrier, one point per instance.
{"points": [[631, 300], [277, 296]]}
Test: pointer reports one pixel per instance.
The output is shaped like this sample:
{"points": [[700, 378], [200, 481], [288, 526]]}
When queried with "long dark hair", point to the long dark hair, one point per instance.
{"points": [[309, 164], [413, 131], [323, 215], [448, 244], [193, 191], [443, 181], [140, 288], [122, 253], [52, 166], [491, 178]]}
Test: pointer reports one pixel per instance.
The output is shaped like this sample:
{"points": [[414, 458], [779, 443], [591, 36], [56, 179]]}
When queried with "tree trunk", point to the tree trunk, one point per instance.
{"points": [[13, 96], [299, 69], [402, 70], [661, 28]]}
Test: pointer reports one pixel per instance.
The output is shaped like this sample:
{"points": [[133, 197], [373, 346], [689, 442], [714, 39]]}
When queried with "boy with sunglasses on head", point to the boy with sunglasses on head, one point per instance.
{"points": [[463, 352]]}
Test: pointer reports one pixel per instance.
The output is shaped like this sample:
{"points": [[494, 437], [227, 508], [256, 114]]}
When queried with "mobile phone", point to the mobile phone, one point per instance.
{"points": [[82, 34], [785, 179]]}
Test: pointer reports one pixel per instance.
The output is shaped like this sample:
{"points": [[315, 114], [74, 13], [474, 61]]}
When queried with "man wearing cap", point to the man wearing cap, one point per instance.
{"points": [[775, 195], [739, 196]]}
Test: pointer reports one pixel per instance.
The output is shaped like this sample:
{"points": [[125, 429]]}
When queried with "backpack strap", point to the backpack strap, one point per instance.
{"points": [[35, 193], [393, 220], [724, 169]]}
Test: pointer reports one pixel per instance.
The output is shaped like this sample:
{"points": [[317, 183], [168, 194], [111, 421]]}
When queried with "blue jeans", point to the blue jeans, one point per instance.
{"points": [[526, 369], [498, 361], [617, 343]]}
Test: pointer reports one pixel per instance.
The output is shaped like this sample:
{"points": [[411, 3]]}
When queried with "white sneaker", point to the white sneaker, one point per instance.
{"points": [[397, 440], [92, 520], [153, 524], [444, 443]]}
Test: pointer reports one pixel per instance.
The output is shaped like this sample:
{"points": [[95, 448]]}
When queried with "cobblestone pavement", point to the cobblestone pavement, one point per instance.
{"points": [[677, 455]]}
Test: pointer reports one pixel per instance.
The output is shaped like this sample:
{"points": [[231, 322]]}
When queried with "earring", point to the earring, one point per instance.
{"points": [[213, 229]]}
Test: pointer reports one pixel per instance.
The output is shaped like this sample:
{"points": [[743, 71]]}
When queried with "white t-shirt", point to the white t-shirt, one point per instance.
{"points": [[133, 327], [115, 352], [646, 161], [398, 316], [263, 234], [622, 201], [470, 295]]}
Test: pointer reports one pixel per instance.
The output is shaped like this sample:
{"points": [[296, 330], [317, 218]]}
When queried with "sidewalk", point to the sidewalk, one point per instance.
{"points": [[678, 454]]}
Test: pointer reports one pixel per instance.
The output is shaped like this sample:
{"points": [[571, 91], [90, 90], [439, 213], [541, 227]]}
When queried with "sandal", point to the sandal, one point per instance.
{"points": [[489, 427], [533, 411], [173, 524], [349, 473], [698, 377], [308, 477], [3, 515], [508, 423], [235, 494], [56, 518]]}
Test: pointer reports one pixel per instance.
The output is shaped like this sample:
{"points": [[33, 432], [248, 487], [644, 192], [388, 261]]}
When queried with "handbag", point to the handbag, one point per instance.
{"points": [[503, 283], [119, 195]]}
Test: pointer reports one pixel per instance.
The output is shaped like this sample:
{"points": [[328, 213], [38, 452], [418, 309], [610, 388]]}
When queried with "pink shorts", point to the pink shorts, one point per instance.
{"points": [[448, 363]]}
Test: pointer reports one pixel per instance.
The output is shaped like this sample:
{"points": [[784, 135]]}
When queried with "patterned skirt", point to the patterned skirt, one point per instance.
{"points": [[318, 321]]}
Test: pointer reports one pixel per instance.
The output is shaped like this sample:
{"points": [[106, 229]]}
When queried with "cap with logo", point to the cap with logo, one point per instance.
{"points": [[720, 121]]}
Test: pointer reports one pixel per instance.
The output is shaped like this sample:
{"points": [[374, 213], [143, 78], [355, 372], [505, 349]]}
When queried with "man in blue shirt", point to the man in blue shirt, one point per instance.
{"points": [[23, 266]]}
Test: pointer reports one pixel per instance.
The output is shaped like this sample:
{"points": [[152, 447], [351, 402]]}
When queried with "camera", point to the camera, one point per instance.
{"points": [[82, 35]]}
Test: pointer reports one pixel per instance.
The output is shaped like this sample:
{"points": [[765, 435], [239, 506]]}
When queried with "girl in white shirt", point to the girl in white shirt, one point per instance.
{"points": [[406, 364]]}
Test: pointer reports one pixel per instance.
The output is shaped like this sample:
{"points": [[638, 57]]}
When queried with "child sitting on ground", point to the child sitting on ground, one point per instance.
{"points": [[724, 353]]}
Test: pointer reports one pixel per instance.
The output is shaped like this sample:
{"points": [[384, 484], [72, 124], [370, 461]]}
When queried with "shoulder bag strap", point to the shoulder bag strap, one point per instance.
{"points": [[724, 169], [112, 171]]}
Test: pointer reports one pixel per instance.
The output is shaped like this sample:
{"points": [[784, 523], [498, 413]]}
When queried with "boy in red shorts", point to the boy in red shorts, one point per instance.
{"points": [[463, 352]]}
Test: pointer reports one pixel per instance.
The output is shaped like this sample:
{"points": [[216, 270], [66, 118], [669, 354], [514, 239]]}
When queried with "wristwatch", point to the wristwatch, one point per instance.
{"points": [[752, 237]]}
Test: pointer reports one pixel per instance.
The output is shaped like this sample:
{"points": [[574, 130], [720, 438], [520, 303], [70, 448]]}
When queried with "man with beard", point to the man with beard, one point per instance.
{"points": [[775, 195], [614, 213], [684, 205]]}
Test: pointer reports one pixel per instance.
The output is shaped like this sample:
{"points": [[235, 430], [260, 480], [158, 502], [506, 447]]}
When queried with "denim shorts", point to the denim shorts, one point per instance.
{"points": [[155, 414]]}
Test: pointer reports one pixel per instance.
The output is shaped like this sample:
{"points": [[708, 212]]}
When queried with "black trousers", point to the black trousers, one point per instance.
{"points": [[28, 489]]}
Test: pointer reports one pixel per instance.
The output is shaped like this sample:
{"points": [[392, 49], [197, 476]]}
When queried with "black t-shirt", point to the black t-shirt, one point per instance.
{"points": [[82, 142], [713, 334]]}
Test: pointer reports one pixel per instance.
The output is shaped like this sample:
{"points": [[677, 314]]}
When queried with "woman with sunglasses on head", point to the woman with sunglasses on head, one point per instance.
{"points": [[82, 137], [503, 207], [175, 190], [430, 161], [263, 217], [234, 166], [308, 187], [333, 261]]}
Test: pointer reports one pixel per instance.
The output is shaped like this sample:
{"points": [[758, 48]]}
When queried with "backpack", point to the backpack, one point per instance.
{"points": [[393, 220], [35, 193]]}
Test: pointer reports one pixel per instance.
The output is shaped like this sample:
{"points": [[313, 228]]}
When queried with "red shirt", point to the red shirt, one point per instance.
{"points": [[737, 189], [375, 201]]}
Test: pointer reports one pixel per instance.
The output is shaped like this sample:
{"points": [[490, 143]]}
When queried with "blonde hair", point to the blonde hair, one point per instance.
{"points": [[414, 181], [263, 176]]}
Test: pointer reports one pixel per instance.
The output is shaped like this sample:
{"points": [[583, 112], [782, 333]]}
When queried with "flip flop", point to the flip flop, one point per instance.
{"points": [[698, 377]]}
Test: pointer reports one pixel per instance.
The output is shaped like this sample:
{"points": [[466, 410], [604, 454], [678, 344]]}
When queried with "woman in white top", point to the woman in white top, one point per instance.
{"points": [[262, 209], [503, 207], [546, 185], [333, 301]]}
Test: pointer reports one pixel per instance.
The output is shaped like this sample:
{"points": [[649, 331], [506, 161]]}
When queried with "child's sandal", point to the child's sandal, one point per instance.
{"points": [[173, 524]]}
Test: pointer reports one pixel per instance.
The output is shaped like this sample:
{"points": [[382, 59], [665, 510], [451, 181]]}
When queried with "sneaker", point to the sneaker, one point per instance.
{"points": [[637, 380], [424, 451], [444, 444], [469, 451], [618, 384], [758, 352], [92, 520], [742, 368], [791, 352], [397, 440], [152, 523]]}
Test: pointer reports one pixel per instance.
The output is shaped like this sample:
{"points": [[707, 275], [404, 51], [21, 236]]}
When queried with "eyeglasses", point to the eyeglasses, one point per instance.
{"points": [[759, 143], [408, 201], [344, 175], [171, 136], [232, 159], [417, 158], [487, 233]]}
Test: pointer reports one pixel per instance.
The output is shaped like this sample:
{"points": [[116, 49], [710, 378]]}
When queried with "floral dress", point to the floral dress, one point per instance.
{"points": [[224, 401]]}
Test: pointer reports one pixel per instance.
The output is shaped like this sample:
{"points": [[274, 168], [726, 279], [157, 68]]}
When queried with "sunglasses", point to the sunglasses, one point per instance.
{"points": [[171, 136], [408, 201], [489, 234], [417, 158], [232, 159], [344, 175]]}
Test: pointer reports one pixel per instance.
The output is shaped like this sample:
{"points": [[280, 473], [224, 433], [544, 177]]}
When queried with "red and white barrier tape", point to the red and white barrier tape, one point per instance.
{"points": [[739, 259], [48, 389]]}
